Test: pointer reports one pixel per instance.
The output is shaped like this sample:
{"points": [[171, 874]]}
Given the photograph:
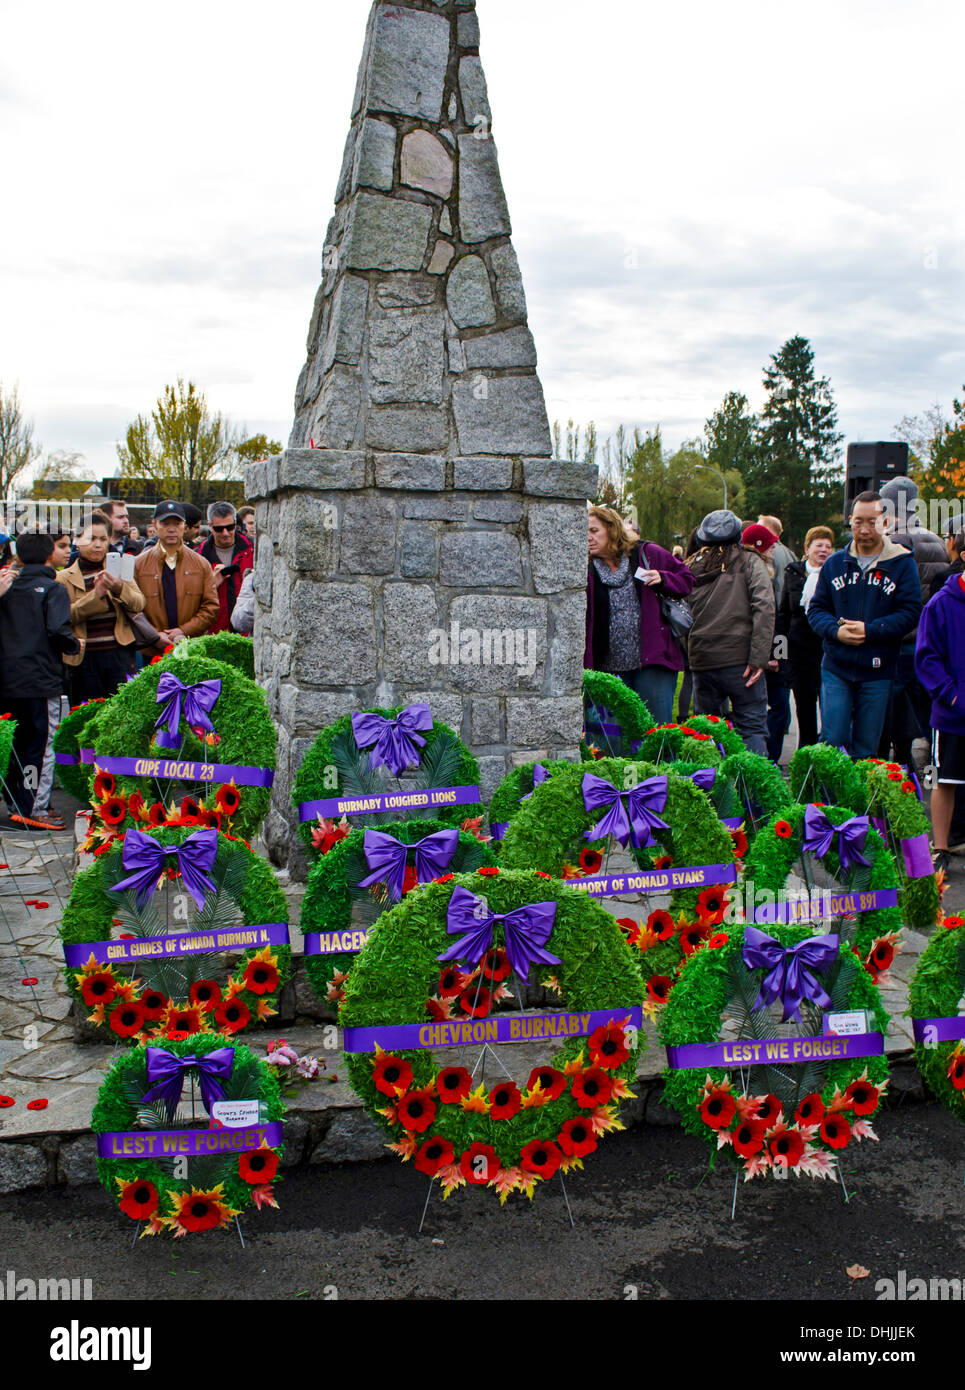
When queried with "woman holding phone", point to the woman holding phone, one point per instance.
{"points": [[626, 632], [100, 600]]}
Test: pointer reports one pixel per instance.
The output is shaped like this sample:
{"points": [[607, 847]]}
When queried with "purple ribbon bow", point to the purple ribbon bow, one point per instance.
{"points": [[197, 701], [789, 968], [527, 931], [644, 802], [540, 775], [396, 741], [704, 778], [819, 834], [385, 855], [166, 1072], [146, 857]]}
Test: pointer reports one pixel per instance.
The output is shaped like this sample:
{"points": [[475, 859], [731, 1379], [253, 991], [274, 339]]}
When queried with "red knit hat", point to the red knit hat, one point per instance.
{"points": [[759, 538]]}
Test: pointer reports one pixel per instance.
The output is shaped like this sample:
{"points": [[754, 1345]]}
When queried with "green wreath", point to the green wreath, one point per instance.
{"points": [[772, 857], [758, 790], [516, 785], [614, 703], [507, 1137], [8, 729], [330, 895], [880, 789], [336, 767], [679, 742], [230, 647], [779, 1119], [245, 736], [70, 738], [178, 992], [218, 1187], [936, 994]]}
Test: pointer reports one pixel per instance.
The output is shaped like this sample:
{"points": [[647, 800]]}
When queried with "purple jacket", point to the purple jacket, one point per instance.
{"points": [[940, 656], [658, 646]]}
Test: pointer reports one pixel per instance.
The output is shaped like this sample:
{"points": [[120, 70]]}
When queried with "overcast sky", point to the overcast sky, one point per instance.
{"points": [[689, 186]]}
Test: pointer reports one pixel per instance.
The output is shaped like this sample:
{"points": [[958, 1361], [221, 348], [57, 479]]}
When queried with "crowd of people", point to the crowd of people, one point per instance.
{"points": [[869, 639], [80, 612]]}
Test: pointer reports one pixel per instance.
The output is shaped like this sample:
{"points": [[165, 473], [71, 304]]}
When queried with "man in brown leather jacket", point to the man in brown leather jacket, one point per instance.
{"points": [[178, 585]]}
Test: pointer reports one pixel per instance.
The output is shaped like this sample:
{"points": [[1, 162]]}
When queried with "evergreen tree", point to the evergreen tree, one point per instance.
{"points": [[731, 435]]}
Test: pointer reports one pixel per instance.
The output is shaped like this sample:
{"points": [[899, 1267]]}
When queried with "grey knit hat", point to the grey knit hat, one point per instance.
{"points": [[719, 528], [898, 488]]}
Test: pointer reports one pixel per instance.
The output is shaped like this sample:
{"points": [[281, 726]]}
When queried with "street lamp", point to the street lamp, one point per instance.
{"points": [[708, 469]]}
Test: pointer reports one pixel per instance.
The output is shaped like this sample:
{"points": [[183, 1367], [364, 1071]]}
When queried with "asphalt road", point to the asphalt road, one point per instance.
{"points": [[646, 1228]]}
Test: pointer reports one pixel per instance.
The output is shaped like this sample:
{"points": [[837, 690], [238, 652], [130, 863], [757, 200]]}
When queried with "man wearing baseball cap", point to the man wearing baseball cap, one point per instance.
{"points": [[178, 585]]}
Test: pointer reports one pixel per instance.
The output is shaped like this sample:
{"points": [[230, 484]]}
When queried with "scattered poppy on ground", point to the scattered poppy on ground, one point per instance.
{"points": [[6, 1101], [39, 1104], [40, 906], [30, 980]]}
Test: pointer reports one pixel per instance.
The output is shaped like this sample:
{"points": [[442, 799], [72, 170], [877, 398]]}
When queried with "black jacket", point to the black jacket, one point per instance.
{"points": [[939, 580], [805, 647], [35, 632]]}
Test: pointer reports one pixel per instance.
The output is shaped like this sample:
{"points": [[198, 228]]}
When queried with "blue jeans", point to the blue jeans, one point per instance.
{"points": [[853, 713], [712, 690], [655, 685]]}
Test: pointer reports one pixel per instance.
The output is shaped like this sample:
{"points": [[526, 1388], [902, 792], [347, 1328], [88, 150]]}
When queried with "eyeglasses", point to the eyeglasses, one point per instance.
{"points": [[215, 527], [865, 522]]}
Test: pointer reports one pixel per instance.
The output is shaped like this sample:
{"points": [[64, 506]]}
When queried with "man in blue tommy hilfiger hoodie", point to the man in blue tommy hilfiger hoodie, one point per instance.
{"points": [[868, 597], [940, 666]]}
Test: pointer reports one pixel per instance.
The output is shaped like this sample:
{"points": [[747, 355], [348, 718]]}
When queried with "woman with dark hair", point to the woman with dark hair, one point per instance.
{"points": [[626, 632]]}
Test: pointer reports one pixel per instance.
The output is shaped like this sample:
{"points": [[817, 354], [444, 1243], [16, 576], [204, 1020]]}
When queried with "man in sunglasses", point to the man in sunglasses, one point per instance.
{"points": [[230, 555]]}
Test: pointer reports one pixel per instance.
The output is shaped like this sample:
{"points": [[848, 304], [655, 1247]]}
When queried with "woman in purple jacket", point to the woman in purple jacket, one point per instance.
{"points": [[625, 630]]}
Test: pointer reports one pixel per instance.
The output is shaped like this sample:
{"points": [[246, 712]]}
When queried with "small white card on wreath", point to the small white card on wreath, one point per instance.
{"points": [[846, 1025], [235, 1114]]}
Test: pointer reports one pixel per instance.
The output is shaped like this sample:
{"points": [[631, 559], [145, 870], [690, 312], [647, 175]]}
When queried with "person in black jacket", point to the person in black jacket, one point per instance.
{"points": [[804, 647], [955, 550], [35, 633]]}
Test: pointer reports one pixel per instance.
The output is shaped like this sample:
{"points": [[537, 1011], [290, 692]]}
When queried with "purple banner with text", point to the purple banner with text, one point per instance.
{"points": [[132, 950], [823, 905], [177, 770], [193, 1143], [655, 880], [745, 1053], [335, 943], [504, 1028], [431, 797]]}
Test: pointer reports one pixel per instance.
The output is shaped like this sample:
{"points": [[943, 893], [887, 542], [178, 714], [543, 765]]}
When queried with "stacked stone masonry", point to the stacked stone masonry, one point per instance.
{"points": [[417, 539]]}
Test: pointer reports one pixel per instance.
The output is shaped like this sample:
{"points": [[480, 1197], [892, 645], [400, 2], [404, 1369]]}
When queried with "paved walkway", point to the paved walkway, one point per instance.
{"points": [[42, 1060]]}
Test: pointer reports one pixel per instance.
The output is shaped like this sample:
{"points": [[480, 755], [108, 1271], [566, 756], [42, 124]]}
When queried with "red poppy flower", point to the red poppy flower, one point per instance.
{"points": [[711, 906], [540, 1156], [190, 807], [391, 1075], [692, 937], [951, 923], [175, 1035], [452, 1084], [104, 785], [909, 788], [663, 861], [40, 1103], [157, 814], [496, 966], [661, 924], [748, 1138], [630, 929], [551, 1081], [113, 810], [228, 799], [260, 977], [410, 879], [479, 1164], [257, 1166], [98, 989], [810, 1110], [608, 1046], [590, 861], [718, 1109], [187, 1020], [740, 843], [783, 830], [592, 1088], [659, 987], [881, 956], [205, 993], [433, 1155], [451, 982], [577, 1138], [416, 1110], [956, 1072], [211, 820], [232, 1015], [446, 878], [436, 1010], [201, 1213], [712, 718], [895, 777], [30, 980], [504, 1101], [787, 1147], [6, 1102], [719, 939], [475, 1001], [490, 872], [139, 1199], [541, 873], [863, 1097], [155, 1005], [126, 1019], [770, 1110], [835, 1131], [135, 805]]}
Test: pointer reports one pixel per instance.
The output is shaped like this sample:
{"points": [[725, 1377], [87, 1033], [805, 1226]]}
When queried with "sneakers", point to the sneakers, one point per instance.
{"points": [[941, 861], [45, 820]]}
